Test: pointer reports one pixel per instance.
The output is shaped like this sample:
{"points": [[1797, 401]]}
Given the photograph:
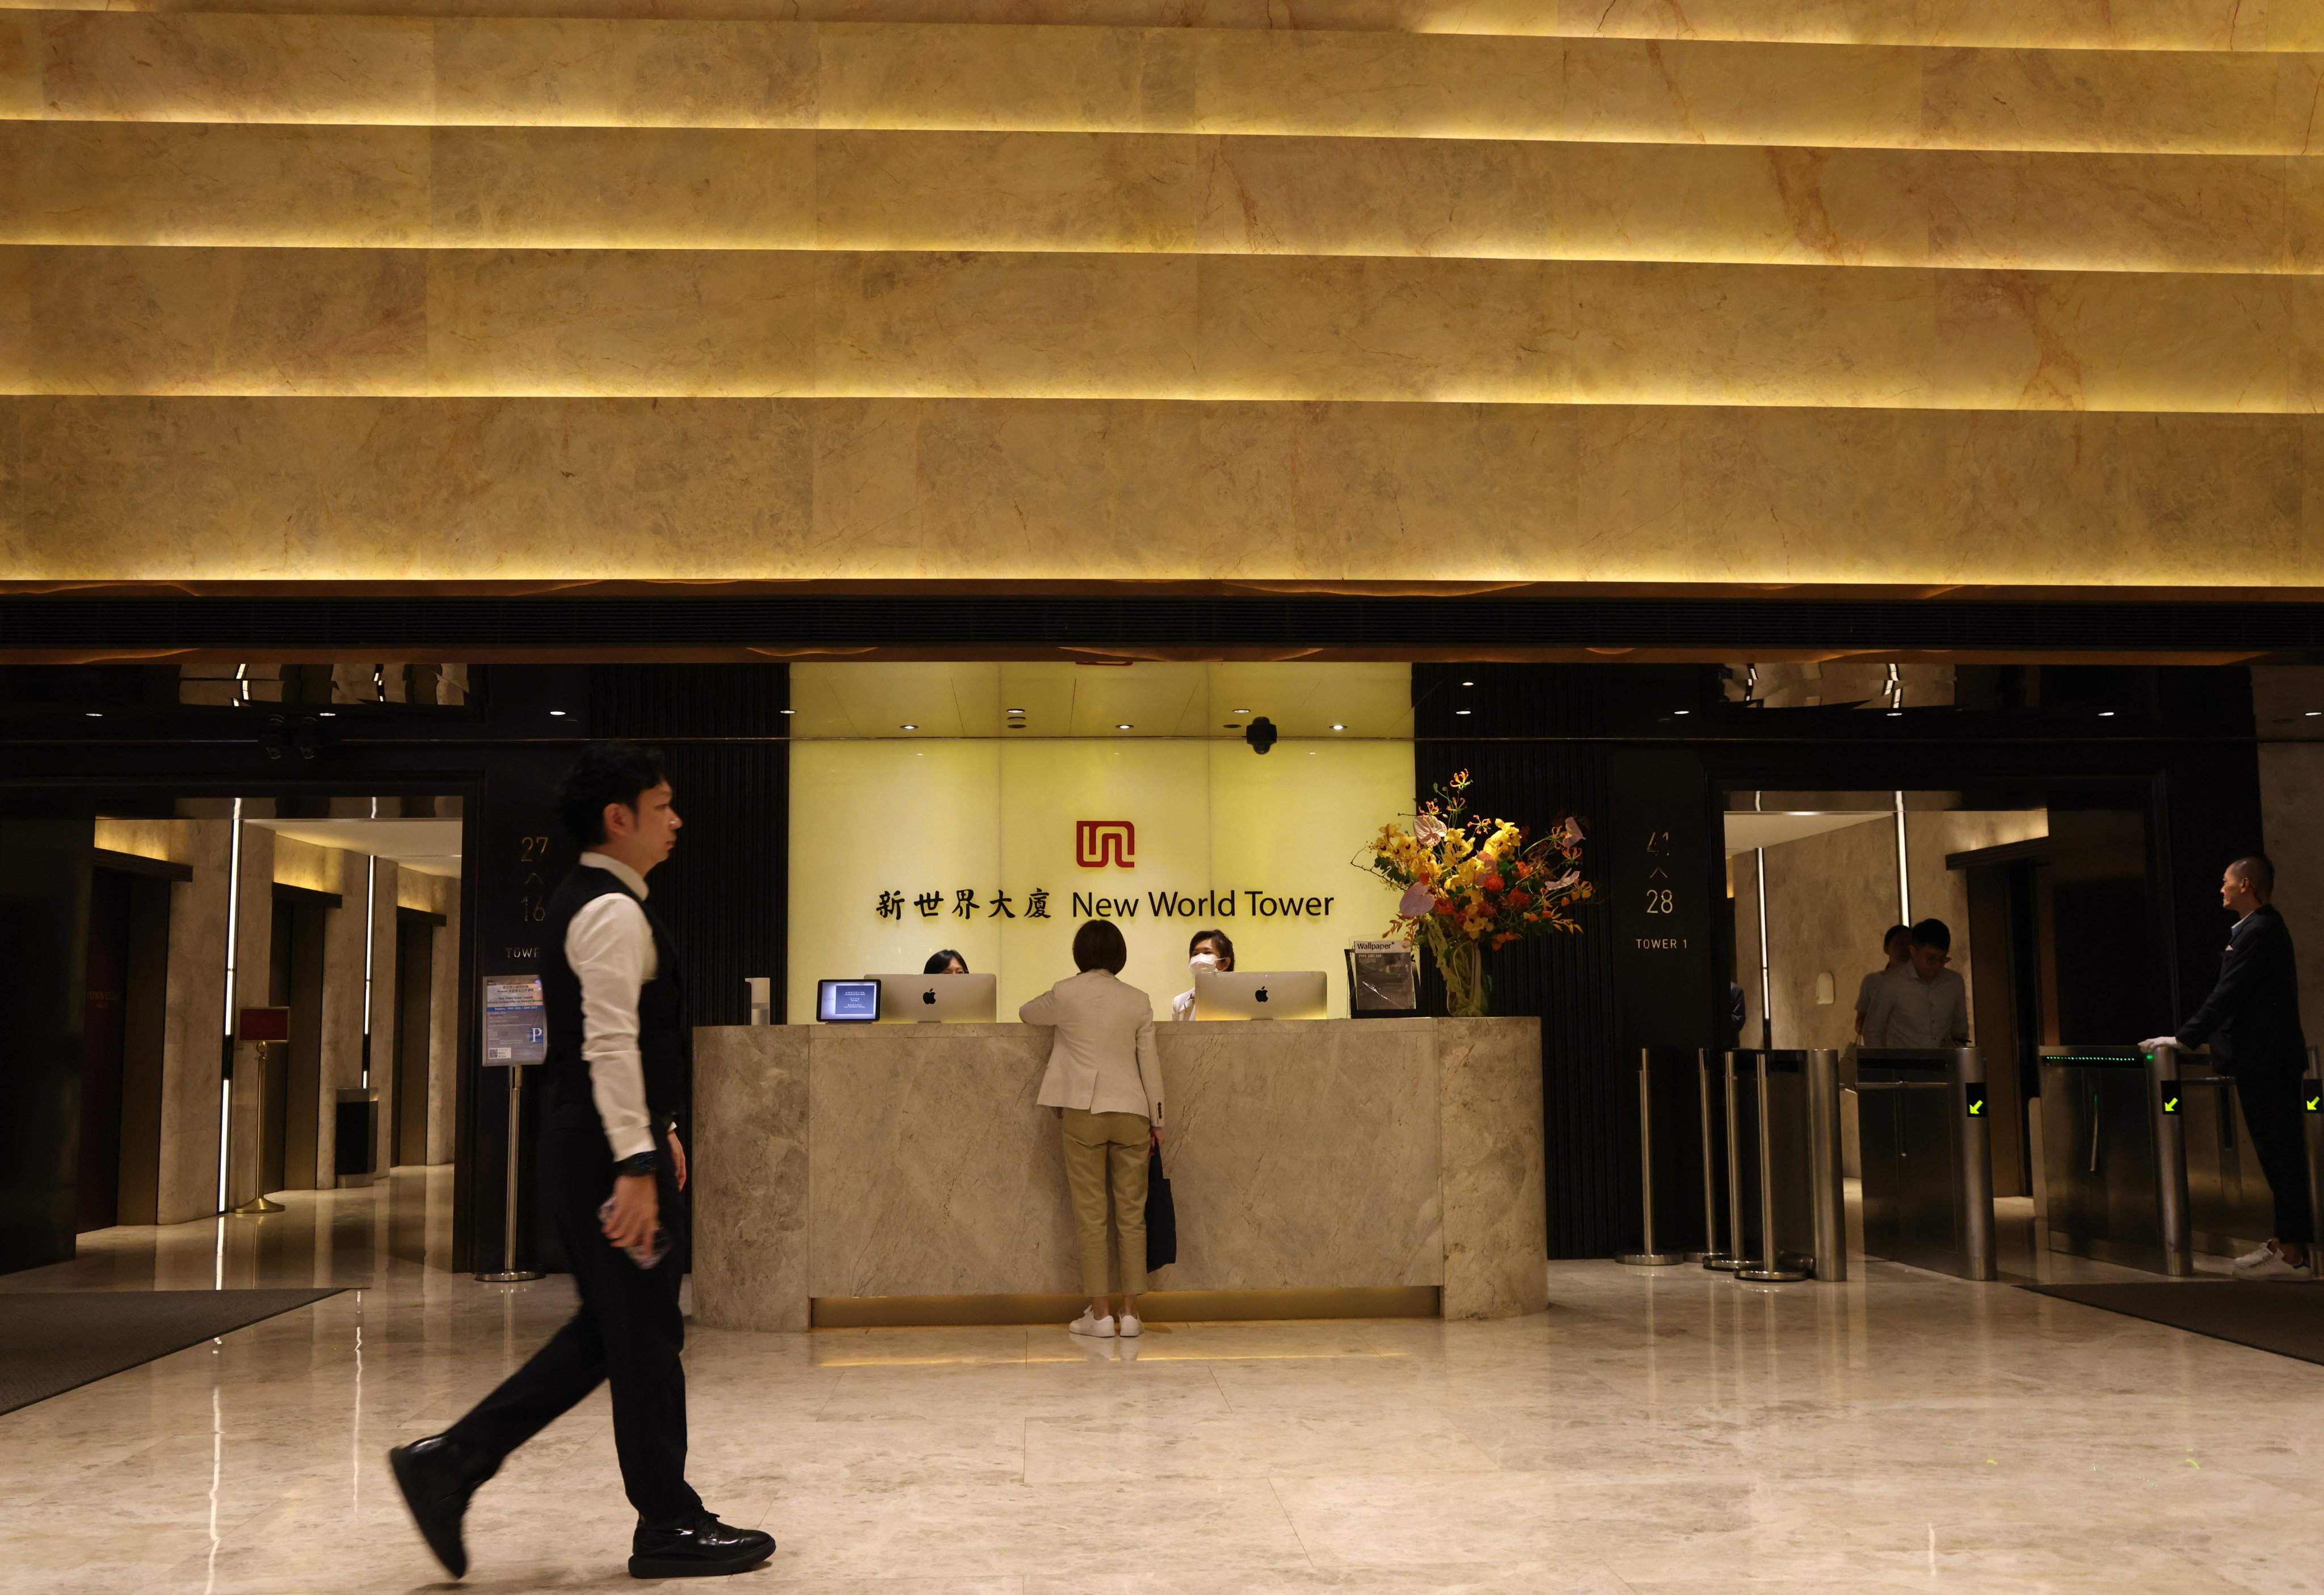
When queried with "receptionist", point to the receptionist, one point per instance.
{"points": [[945, 961], [1208, 950]]}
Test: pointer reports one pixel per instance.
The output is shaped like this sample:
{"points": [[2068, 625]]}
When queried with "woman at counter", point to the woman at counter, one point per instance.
{"points": [[944, 960], [1105, 1080], [1208, 950]]}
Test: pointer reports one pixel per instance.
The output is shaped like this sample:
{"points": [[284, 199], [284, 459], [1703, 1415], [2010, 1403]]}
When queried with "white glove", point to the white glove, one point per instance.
{"points": [[2153, 1042]]}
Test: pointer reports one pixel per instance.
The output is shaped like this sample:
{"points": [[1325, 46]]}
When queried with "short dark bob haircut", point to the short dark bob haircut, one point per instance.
{"points": [[943, 959], [1894, 931], [1226, 947], [1098, 944], [606, 772]]}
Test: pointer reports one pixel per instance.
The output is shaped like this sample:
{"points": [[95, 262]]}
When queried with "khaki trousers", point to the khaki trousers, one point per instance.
{"points": [[1106, 1150]]}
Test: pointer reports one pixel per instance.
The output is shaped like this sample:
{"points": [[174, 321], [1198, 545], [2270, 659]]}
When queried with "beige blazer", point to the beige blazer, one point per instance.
{"points": [[1103, 1058]]}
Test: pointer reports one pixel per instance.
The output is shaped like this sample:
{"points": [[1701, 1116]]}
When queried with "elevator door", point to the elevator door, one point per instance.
{"points": [[294, 1073], [415, 995]]}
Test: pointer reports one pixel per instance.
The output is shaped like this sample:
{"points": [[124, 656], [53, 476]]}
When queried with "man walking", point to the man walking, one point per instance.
{"points": [[1919, 1002], [617, 1078], [2252, 1020]]}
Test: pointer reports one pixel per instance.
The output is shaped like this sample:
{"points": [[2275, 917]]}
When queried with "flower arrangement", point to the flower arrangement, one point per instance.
{"points": [[1470, 883]]}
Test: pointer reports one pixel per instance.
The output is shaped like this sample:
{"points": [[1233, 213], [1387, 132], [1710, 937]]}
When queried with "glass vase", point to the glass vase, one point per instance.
{"points": [[1460, 965]]}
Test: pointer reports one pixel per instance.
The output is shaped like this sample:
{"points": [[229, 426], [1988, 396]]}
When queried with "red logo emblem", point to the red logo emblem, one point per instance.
{"points": [[1100, 843]]}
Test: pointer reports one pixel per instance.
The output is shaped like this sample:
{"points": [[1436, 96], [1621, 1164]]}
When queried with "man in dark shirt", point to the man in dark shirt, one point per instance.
{"points": [[2252, 1020]]}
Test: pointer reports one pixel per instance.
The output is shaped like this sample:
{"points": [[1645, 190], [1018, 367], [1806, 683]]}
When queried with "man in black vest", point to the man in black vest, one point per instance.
{"points": [[2252, 1020], [617, 1075]]}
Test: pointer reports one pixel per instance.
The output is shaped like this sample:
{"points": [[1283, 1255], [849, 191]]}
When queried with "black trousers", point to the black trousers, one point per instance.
{"points": [[2274, 1112], [628, 1330]]}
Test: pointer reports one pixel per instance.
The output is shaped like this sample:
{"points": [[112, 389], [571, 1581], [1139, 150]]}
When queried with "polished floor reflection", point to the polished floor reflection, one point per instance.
{"points": [[1657, 1430]]}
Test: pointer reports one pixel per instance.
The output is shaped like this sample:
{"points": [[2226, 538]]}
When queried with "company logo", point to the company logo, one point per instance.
{"points": [[1260, 994], [1100, 843]]}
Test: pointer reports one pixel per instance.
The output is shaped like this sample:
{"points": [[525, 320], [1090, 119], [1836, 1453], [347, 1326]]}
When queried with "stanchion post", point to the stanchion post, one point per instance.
{"points": [[2311, 1119], [1734, 1259], [1827, 1187], [1973, 1220], [1770, 1269], [2162, 1103], [1649, 1257], [1712, 1257], [509, 1273]]}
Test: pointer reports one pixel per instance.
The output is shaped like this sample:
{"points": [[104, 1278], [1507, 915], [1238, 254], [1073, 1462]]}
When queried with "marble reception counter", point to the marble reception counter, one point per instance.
{"points": [[838, 1166]]}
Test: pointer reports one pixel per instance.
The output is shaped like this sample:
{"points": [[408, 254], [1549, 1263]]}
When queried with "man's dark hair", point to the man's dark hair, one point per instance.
{"points": [[1098, 944], [606, 772], [1226, 947], [1932, 933], [2258, 873], [1888, 937]]}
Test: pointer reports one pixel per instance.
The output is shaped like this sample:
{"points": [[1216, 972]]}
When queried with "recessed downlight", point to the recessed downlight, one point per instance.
{"points": [[557, 714], [1123, 725], [1459, 711], [908, 728], [1339, 728]]}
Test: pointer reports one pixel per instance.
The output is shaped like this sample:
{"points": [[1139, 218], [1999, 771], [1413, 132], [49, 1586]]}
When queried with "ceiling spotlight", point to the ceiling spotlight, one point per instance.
{"points": [[2313, 713], [1012, 711], [1121, 725], [909, 728], [1468, 684], [1241, 711], [92, 713], [786, 711], [333, 714], [557, 714], [1459, 711], [2106, 713], [1682, 710], [1895, 713], [1339, 728]]}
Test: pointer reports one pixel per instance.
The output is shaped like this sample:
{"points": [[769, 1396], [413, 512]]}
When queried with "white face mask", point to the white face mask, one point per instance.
{"points": [[1203, 961]]}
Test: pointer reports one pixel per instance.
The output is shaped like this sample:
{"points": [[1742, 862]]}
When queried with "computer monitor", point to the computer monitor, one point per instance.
{"points": [[925, 999], [847, 1003], [1260, 994]]}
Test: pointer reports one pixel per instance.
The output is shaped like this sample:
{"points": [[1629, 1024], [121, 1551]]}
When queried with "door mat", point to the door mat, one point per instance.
{"points": [[52, 1342], [2287, 1319]]}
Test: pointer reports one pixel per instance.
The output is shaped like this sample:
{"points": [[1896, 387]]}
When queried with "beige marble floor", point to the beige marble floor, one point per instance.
{"points": [[1656, 1431]]}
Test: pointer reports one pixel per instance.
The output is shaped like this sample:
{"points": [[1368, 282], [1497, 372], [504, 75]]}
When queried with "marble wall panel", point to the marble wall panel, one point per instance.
{"points": [[339, 1066], [203, 183], [934, 1173], [1006, 191], [194, 1009], [2055, 25], [379, 489], [1496, 1213], [629, 188], [1040, 325], [621, 322], [182, 320], [749, 1170], [582, 71], [124, 67], [1031, 325], [192, 184], [1305, 1155], [575, 71]]}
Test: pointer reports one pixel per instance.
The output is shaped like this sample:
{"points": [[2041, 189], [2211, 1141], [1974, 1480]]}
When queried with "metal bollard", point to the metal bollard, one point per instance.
{"points": [[1769, 1270], [2311, 1119], [1712, 1257], [2163, 1092], [1649, 1258], [1826, 1181], [1974, 1194], [1728, 1261]]}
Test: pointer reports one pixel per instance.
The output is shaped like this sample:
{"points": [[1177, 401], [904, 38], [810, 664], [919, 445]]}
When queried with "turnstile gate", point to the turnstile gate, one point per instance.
{"points": [[1927, 1151], [2147, 1159]]}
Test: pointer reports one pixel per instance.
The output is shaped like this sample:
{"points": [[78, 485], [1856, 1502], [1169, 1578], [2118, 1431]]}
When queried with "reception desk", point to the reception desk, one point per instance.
{"points": [[853, 1174]]}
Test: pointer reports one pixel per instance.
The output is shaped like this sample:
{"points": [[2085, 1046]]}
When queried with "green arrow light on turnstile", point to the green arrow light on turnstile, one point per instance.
{"points": [[2171, 1104], [2316, 1105], [1976, 1103]]}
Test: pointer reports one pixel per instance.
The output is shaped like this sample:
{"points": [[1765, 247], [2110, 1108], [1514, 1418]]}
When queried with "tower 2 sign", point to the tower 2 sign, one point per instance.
{"points": [[1100, 843]]}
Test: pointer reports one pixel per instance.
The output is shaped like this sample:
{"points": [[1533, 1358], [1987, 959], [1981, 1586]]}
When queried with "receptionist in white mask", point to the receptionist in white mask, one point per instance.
{"points": [[1209, 950]]}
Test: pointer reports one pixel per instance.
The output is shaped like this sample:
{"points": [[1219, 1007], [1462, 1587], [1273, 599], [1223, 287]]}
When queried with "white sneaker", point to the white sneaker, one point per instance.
{"points": [[2269, 1265], [2254, 1257], [1090, 1325], [1131, 1324]]}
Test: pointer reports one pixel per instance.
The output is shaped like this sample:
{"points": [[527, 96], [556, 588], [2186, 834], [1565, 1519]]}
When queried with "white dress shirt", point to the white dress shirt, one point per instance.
{"points": [[1909, 1011], [1182, 1005], [611, 948], [1102, 1059]]}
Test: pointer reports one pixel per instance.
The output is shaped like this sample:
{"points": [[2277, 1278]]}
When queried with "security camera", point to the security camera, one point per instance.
{"points": [[1260, 735]]}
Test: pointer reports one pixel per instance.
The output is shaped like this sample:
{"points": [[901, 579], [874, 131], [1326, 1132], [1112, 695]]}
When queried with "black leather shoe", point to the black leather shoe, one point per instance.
{"points": [[705, 1549], [437, 1476]]}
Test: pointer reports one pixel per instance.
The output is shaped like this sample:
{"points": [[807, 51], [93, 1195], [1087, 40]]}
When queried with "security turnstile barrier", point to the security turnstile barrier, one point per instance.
{"points": [[1927, 1153], [2148, 1160], [1777, 1122]]}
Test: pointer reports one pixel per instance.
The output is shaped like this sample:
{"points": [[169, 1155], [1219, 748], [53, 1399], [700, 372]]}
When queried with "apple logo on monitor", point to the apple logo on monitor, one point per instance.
{"points": [[1260, 995], [929, 996]]}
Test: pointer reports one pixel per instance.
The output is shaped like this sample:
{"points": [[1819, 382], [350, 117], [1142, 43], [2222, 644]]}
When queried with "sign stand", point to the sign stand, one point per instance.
{"points": [[516, 1034]]}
